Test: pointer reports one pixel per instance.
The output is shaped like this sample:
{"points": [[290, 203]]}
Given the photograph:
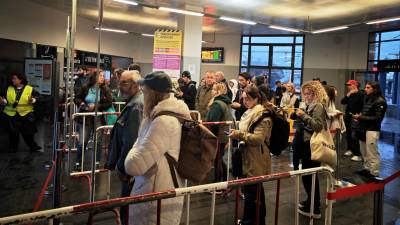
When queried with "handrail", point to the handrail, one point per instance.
{"points": [[117, 202]]}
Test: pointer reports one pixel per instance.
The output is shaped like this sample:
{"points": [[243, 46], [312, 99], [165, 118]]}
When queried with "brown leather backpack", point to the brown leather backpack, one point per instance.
{"points": [[197, 151]]}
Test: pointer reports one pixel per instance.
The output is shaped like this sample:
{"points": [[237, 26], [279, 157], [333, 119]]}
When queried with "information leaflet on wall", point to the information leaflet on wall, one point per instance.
{"points": [[167, 52], [39, 74]]}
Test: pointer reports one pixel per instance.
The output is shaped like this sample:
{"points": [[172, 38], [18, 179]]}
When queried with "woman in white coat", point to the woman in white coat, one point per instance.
{"points": [[146, 160]]}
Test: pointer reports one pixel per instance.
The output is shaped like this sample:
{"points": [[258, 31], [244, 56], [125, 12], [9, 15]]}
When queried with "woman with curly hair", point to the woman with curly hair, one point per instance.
{"points": [[313, 119]]}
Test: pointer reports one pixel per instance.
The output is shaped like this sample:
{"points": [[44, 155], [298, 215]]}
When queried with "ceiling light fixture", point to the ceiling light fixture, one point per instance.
{"points": [[112, 30], [383, 20], [284, 28], [329, 29], [237, 20], [126, 2], [148, 35], [181, 11]]}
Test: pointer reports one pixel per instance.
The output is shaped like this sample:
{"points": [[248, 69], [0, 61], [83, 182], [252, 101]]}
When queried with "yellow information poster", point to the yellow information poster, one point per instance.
{"points": [[167, 52]]}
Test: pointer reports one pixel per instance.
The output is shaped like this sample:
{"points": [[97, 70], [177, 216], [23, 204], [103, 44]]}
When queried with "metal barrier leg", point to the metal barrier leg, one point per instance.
{"points": [[312, 199], [212, 213], [378, 207], [258, 203], [278, 189], [187, 205], [328, 211], [158, 211], [109, 184], [296, 197], [229, 155], [83, 142], [237, 205]]}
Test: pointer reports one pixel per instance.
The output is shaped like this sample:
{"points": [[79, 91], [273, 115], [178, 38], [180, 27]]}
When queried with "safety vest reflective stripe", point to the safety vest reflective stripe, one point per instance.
{"points": [[23, 107]]}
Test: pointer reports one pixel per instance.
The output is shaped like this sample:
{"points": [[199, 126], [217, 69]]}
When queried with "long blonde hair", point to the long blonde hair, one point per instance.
{"points": [[318, 91], [152, 98], [220, 88]]}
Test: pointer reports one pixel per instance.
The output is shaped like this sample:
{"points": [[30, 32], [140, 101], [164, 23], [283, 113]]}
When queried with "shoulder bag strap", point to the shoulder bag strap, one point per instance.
{"points": [[172, 164]]}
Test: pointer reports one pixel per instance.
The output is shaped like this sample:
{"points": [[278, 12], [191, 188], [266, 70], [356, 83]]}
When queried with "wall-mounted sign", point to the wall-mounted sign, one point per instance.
{"points": [[39, 73], [167, 52], [212, 55], [389, 65], [46, 52]]}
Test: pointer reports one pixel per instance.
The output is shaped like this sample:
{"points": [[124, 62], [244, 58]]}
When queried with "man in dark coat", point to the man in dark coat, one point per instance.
{"points": [[125, 132], [188, 90]]}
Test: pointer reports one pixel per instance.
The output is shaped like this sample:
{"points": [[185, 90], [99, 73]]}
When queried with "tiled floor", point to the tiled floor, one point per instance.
{"points": [[23, 173]]}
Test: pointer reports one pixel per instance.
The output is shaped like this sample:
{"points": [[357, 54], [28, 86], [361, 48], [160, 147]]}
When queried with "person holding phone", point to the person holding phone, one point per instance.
{"points": [[254, 131], [354, 103], [18, 108]]}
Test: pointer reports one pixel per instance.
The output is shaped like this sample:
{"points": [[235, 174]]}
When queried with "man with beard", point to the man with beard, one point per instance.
{"points": [[125, 132]]}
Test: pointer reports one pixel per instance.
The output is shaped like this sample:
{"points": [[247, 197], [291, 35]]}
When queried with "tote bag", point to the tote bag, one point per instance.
{"points": [[323, 148]]}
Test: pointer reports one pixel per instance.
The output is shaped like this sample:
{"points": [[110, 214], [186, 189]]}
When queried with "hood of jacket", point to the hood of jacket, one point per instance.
{"points": [[172, 104], [223, 98], [192, 82], [235, 84]]}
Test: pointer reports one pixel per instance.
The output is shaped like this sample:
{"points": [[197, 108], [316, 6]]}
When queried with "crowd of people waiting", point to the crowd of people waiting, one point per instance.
{"points": [[139, 139]]}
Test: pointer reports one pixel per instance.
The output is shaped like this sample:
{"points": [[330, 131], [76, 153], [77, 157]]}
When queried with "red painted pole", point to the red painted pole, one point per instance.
{"points": [[158, 211], [237, 204], [258, 203]]}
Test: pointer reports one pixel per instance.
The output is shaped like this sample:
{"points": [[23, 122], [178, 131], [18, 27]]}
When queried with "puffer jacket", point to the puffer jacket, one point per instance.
{"points": [[147, 163], [373, 112], [202, 99], [256, 156]]}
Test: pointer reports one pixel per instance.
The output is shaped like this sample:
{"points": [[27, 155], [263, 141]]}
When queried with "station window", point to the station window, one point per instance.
{"points": [[384, 45], [278, 57]]}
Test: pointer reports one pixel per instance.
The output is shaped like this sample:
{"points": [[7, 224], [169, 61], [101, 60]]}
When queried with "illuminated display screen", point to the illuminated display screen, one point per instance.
{"points": [[212, 55]]}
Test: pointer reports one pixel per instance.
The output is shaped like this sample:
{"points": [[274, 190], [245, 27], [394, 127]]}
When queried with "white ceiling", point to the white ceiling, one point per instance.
{"points": [[300, 14]]}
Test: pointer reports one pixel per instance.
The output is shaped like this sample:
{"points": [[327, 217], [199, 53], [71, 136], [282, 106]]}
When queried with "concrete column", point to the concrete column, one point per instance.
{"points": [[192, 36]]}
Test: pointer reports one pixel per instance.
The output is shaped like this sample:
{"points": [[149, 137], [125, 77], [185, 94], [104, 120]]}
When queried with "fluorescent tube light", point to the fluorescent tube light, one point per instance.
{"points": [[237, 20], [126, 2], [113, 30], [148, 35], [383, 20], [283, 28], [181, 11], [330, 29]]}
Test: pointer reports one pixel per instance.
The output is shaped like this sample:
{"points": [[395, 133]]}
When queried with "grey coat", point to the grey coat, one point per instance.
{"points": [[314, 119]]}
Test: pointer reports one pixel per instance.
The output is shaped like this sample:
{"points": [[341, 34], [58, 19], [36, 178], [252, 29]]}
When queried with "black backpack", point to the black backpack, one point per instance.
{"points": [[279, 139]]}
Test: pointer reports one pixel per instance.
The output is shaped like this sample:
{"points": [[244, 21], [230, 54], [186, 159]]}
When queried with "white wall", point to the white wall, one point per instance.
{"points": [[26, 21], [336, 50], [231, 45]]}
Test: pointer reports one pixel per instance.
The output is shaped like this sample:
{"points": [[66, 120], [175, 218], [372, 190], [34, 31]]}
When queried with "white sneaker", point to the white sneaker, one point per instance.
{"points": [[348, 153], [356, 158]]}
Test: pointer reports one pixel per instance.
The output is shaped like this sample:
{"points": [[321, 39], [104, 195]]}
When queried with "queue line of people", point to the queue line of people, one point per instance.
{"points": [[139, 140]]}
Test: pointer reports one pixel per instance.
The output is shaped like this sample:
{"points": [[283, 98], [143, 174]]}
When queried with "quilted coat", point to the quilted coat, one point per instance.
{"points": [[147, 163]]}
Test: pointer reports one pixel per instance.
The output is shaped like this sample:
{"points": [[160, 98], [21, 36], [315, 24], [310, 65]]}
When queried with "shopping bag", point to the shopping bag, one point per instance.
{"points": [[323, 148]]}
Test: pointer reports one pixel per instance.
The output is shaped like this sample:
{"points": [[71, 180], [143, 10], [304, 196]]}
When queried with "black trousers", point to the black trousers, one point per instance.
{"points": [[250, 205], [21, 125], [220, 168], [351, 140], [126, 188], [307, 180]]}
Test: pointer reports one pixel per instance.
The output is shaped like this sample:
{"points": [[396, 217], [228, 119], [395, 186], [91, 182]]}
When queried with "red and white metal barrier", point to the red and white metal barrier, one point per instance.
{"points": [[158, 196]]}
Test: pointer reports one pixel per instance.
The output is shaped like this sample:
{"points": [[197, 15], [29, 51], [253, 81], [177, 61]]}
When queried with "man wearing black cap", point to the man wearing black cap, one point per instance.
{"points": [[189, 90]]}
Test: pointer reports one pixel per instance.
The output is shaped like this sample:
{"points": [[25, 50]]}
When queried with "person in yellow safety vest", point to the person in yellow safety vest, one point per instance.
{"points": [[18, 110]]}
